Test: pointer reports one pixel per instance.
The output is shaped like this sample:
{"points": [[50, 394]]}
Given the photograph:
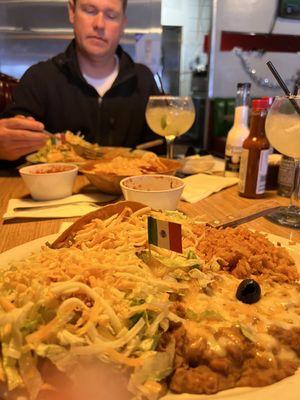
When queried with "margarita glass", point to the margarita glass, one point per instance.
{"points": [[170, 116], [283, 132]]}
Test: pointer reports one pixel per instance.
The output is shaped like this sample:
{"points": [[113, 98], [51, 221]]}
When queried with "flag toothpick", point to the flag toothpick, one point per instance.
{"points": [[165, 234]]}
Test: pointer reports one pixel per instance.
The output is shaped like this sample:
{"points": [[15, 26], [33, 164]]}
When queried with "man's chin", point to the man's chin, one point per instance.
{"points": [[96, 52]]}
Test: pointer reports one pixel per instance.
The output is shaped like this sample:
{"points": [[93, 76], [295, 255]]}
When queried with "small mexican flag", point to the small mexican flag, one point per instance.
{"points": [[165, 234]]}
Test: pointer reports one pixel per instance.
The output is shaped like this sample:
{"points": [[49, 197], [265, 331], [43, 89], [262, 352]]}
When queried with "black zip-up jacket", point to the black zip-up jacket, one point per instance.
{"points": [[55, 93]]}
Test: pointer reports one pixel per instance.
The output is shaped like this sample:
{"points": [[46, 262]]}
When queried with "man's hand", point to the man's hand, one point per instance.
{"points": [[20, 136]]}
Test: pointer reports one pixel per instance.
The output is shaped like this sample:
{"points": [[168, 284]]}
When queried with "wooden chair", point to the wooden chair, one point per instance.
{"points": [[7, 84]]}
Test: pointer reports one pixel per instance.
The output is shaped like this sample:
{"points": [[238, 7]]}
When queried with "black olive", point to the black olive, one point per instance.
{"points": [[248, 291]]}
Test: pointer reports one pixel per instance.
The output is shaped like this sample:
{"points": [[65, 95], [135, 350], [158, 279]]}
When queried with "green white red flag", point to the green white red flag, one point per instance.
{"points": [[165, 234]]}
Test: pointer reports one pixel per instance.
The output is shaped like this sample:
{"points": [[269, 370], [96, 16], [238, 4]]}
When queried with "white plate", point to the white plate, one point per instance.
{"points": [[31, 159], [287, 389]]}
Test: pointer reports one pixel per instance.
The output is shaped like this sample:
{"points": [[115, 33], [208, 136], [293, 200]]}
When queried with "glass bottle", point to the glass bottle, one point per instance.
{"points": [[286, 176], [254, 158], [239, 130]]}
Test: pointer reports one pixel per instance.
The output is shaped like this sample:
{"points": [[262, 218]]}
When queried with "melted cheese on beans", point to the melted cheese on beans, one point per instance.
{"points": [[279, 306]]}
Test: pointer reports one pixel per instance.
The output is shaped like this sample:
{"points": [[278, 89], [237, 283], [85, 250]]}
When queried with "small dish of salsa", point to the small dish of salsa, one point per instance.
{"points": [[49, 181]]}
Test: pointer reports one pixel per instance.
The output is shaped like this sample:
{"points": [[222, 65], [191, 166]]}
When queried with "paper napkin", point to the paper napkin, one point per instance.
{"points": [[201, 164], [200, 186], [72, 206], [196, 164]]}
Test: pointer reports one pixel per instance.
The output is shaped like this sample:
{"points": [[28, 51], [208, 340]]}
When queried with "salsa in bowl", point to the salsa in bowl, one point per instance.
{"points": [[49, 181]]}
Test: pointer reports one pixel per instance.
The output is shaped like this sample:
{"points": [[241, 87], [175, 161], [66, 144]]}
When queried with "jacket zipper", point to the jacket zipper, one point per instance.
{"points": [[99, 100]]}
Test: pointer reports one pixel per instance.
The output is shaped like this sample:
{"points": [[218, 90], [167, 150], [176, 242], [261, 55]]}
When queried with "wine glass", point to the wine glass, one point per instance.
{"points": [[170, 116], [283, 132]]}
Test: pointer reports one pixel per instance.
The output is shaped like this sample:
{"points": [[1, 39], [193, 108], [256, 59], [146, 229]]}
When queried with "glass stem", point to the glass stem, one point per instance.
{"points": [[170, 147], [296, 185]]}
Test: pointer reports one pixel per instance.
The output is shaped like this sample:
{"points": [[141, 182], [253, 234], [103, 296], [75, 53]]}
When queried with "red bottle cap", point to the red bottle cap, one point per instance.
{"points": [[270, 99], [260, 104]]}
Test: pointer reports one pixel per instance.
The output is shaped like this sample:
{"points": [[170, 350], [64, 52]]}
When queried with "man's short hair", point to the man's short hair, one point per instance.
{"points": [[123, 1]]}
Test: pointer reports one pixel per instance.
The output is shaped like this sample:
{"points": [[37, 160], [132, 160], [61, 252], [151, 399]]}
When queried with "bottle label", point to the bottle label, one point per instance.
{"points": [[241, 115], [243, 170], [286, 176], [262, 172], [232, 159]]}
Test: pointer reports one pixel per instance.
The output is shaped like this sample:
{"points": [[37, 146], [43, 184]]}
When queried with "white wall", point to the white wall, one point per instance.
{"points": [[251, 16], [194, 18]]}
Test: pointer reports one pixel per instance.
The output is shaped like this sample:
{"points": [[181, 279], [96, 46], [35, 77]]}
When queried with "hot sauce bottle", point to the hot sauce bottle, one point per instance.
{"points": [[254, 158]]}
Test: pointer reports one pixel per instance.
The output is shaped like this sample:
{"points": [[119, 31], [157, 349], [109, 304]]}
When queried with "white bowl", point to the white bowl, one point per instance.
{"points": [[160, 192], [49, 181]]}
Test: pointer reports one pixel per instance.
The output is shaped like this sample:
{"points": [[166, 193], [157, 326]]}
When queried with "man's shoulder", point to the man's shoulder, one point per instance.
{"points": [[128, 63], [50, 66], [42, 68], [143, 69]]}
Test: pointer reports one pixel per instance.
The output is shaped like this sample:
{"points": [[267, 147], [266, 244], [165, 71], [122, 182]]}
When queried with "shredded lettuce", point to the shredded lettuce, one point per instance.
{"points": [[215, 263], [191, 255], [30, 375], [60, 356], [66, 338], [136, 317], [246, 331], [156, 367], [175, 214], [14, 380], [30, 326]]}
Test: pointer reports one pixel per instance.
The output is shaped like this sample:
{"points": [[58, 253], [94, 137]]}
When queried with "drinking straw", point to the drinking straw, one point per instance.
{"points": [[161, 84], [283, 85], [162, 90]]}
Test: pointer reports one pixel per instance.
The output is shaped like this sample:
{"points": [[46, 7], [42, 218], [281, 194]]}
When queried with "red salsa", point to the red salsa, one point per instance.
{"points": [[53, 169]]}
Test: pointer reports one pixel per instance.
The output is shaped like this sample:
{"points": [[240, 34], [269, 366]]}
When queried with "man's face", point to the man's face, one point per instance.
{"points": [[98, 26]]}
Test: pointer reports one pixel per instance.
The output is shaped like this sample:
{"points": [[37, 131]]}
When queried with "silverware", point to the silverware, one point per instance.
{"points": [[148, 145], [48, 133], [247, 214], [90, 153], [91, 203]]}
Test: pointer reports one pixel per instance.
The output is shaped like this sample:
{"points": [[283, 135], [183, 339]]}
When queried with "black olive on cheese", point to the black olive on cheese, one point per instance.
{"points": [[248, 291]]}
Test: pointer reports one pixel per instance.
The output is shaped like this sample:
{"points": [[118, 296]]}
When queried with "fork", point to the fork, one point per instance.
{"points": [[247, 214], [90, 203]]}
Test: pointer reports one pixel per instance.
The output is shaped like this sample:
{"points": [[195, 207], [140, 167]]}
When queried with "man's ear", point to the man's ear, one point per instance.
{"points": [[71, 9]]}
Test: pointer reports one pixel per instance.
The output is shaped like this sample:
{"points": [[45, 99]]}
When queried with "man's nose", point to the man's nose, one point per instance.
{"points": [[99, 21]]}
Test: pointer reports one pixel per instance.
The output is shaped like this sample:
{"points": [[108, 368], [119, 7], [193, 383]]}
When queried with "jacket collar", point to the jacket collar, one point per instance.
{"points": [[69, 61]]}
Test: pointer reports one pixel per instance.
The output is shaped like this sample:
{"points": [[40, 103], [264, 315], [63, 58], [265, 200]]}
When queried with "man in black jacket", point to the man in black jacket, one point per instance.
{"points": [[93, 87]]}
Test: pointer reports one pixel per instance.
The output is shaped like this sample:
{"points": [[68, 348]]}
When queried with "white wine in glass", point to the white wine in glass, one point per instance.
{"points": [[170, 116], [283, 132]]}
